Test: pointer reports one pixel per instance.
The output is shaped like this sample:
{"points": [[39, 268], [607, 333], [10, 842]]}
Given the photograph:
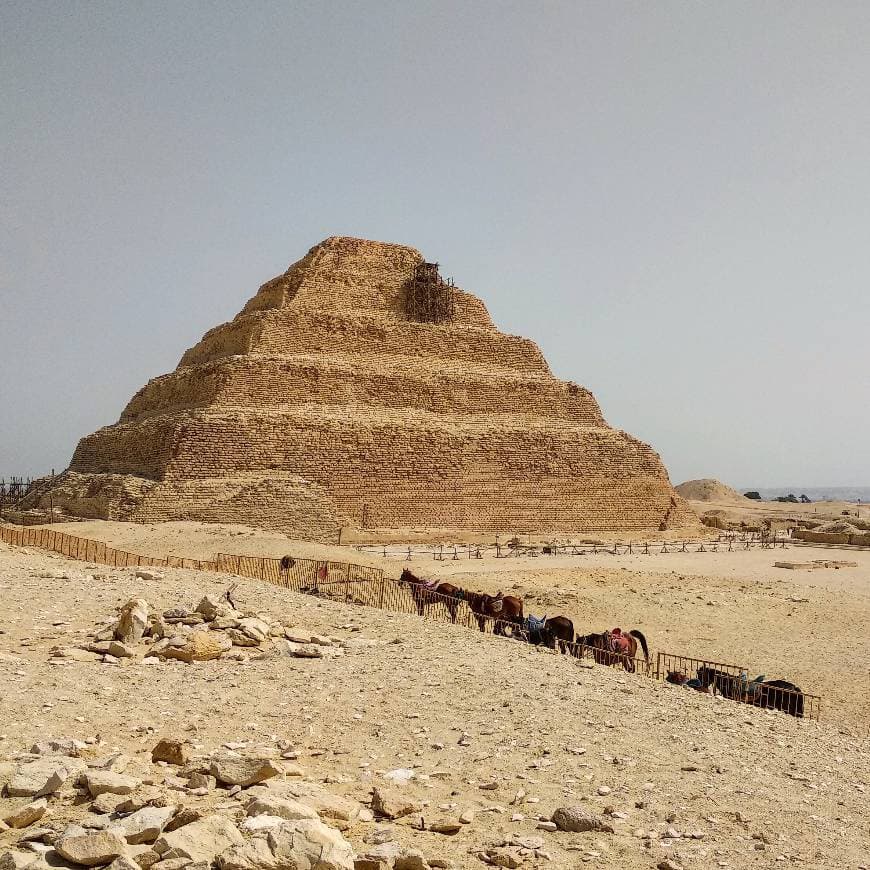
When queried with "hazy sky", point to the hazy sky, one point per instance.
{"points": [[671, 198]]}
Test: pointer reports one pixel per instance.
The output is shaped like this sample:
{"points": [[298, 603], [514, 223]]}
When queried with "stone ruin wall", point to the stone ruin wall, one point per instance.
{"points": [[322, 405]]}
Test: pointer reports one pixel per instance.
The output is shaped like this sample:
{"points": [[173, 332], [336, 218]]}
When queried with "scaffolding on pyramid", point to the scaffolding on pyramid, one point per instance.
{"points": [[430, 299]]}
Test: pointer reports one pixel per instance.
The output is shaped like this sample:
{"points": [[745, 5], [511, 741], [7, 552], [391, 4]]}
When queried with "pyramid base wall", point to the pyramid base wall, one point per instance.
{"points": [[310, 472]]}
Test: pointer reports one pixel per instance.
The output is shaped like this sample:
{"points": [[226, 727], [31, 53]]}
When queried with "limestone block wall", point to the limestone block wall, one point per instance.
{"points": [[375, 338], [254, 381]]}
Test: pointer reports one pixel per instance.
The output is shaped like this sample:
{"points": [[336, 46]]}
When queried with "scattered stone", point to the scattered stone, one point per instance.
{"points": [[102, 781], [281, 808], [446, 826], [133, 621], [27, 815], [231, 768], [393, 803], [306, 844], [199, 646], [578, 819], [15, 860], [92, 849], [146, 825], [199, 841], [170, 751], [42, 777], [547, 826]]}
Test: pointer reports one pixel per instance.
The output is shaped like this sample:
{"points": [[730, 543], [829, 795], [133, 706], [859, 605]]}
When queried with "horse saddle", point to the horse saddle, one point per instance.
{"points": [[432, 585], [619, 643], [535, 624], [497, 603]]}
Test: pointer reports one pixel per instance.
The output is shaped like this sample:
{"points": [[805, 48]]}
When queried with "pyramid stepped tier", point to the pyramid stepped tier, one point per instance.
{"points": [[337, 398], [375, 338], [259, 381]]}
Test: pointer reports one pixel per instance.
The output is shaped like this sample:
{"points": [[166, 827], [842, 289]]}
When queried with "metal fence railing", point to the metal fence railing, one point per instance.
{"points": [[733, 682]]}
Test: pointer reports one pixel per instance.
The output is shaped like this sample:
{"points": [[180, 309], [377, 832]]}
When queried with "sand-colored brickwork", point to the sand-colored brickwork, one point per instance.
{"points": [[322, 405]]}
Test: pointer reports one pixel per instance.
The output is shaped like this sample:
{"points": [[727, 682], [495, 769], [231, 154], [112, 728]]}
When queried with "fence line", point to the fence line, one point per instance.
{"points": [[367, 586], [351, 585], [453, 552]]}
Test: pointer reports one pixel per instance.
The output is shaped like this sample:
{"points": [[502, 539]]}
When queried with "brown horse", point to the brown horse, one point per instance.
{"points": [[615, 647], [425, 594], [504, 609]]}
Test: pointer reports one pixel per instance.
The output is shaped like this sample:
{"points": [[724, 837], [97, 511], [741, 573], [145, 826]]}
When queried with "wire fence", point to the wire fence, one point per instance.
{"points": [[724, 543], [367, 586], [87, 550]]}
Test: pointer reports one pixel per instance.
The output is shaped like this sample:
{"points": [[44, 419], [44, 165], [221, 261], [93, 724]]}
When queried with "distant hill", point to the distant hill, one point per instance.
{"points": [[708, 490]]}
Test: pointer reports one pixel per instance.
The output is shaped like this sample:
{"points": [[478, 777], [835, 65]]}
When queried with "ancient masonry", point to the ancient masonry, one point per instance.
{"points": [[359, 389]]}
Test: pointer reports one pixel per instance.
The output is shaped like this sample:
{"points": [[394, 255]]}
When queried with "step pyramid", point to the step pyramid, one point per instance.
{"points": [[359, 389]]}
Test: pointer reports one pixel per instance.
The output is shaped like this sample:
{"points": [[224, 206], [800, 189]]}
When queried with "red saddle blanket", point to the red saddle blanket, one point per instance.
{"points": [[619, 642]]}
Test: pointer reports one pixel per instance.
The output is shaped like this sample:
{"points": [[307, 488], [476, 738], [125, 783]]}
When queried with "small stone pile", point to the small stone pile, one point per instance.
{"points": [[212, 630]]}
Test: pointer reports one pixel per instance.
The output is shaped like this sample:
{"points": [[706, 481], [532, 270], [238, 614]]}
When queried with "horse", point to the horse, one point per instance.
{"points": [[778, 695], [533, 626], [614, 647], [425, 594], [504, 609], [558, 633], [771, 694], [731, 686]]}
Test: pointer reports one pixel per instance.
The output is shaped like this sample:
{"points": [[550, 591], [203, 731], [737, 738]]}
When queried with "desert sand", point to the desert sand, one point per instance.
{"points": [[811, 627], [494, 731]]}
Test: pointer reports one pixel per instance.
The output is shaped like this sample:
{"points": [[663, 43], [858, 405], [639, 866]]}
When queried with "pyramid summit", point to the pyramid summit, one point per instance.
{"points": [[361, 389]]}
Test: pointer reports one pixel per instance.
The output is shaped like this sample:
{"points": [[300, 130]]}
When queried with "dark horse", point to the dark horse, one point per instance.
{"points": [[771, 694], [779, 695], [614, 647], [731, 686], [504, 609], [558, 633], [425, 595]]}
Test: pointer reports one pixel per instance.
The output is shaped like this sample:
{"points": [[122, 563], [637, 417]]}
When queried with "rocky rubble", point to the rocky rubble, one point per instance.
{"points": [[253, 811], [212, 630]]}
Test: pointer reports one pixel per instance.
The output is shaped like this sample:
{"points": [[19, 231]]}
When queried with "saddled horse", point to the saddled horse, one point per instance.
{"points": [[426, 594], [504, 609], [614, 647]]}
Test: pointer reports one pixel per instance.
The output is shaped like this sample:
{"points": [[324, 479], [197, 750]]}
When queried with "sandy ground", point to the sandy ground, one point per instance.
{"points": [[752, 511], [809, 627], [759, 789]]}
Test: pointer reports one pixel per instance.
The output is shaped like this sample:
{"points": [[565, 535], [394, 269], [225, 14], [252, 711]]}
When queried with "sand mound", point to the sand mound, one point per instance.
{"points": [[708, 490]]}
